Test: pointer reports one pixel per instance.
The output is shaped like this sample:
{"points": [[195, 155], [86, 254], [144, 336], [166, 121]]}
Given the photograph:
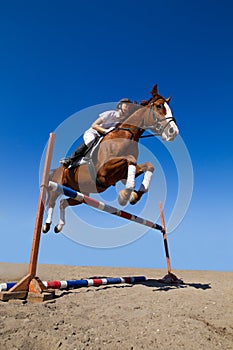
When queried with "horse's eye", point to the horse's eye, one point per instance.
{"points": [[159, 106]]}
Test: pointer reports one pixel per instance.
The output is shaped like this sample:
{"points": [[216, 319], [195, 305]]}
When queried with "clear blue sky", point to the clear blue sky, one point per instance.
{"points": [[59, 57]]}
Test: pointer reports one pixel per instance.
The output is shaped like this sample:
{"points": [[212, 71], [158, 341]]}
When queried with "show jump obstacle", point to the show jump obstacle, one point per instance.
{"points": [[31, 287]]}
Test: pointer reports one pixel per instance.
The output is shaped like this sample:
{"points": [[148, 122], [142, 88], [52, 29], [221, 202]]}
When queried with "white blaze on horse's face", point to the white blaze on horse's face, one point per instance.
{"points": [[171, 130]]}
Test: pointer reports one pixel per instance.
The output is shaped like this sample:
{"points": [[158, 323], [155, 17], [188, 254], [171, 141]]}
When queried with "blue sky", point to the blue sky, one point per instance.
{"points": [[60, 57]]}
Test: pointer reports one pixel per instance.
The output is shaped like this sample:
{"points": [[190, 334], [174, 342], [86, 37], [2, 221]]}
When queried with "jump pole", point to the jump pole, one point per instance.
{"points": [[82, 198], [30, 286], [95, 282]]}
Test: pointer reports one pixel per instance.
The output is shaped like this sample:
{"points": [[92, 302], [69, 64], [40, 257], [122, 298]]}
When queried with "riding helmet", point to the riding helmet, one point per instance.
{"points": [[123, 100]]}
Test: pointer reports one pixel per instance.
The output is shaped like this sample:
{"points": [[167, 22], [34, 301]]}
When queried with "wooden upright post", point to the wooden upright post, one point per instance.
{"points": [[170, 278], [165, 238], [40, 210], [31, 283]]}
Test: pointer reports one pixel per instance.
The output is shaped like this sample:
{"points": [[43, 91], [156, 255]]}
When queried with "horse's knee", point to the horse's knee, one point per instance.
{"points": [[142, 168], [131, 160]]}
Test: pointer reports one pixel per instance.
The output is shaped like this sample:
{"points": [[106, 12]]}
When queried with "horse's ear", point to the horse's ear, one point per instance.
{"points": [[168, 99], [154, 91]]}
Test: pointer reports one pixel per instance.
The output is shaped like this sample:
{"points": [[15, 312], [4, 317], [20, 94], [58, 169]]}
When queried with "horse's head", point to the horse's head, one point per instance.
{"points": [[160, 119]]}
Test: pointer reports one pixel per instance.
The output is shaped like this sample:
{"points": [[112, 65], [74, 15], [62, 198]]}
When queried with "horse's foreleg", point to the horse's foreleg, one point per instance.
{"points": [[148, 169], [64, 203], [124, 195]]}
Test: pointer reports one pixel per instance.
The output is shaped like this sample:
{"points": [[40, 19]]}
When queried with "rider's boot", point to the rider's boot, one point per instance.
{"points": [[78, 153]]}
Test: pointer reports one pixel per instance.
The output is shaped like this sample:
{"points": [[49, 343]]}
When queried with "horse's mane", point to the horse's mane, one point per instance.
{"points": [[137, 106], [143, 103]]}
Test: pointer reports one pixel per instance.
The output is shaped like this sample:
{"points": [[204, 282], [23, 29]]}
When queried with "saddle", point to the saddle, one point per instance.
{"points": [[87, 158]]}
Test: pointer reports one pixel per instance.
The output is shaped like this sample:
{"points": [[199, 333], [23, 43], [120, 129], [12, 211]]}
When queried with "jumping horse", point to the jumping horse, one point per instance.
{"points": [[116, 158]]}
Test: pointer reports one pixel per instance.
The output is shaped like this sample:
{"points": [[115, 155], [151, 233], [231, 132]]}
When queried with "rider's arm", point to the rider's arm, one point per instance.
{"points": [[96, 126], [109, 119]]}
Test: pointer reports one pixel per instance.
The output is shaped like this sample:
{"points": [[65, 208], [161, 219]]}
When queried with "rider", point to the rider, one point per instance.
{"points": [[106, 122]]}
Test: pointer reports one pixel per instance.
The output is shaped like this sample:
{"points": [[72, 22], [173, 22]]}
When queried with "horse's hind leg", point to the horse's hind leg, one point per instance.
{"points": [[51, 204], [64, 203], [148, 169], [48, 222]]}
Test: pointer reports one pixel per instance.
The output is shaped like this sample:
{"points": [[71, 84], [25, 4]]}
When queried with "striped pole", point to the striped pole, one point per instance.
{"points": [[69, 284], [80, 197]]}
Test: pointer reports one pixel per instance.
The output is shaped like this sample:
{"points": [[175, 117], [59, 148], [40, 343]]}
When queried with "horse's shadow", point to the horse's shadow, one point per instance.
{"points": [[164, 287]]}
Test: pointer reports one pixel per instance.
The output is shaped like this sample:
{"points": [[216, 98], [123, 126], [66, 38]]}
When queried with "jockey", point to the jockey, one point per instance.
{"points": [[106, 122]]}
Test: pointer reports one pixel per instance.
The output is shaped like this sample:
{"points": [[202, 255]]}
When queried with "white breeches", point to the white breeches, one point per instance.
{"points": [[90, 136]]}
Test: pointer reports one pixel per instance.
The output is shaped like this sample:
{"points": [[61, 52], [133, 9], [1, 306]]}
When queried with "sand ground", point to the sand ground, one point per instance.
{"points": [[151, 315]]}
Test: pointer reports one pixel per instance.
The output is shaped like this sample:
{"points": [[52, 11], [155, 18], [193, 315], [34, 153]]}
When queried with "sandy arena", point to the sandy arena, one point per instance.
{"points": [[149, 315]]}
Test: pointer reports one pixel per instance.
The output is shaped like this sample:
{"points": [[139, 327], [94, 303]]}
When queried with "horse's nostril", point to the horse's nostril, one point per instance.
{"points": [[171, 130]]}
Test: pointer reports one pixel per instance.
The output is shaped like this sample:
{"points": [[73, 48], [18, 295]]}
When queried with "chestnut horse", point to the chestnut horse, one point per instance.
{"points": [[116, 158]]}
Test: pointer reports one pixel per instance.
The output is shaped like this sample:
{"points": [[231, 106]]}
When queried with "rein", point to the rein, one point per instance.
{"points": [[144, 136], [129, 130], [132, 134]]}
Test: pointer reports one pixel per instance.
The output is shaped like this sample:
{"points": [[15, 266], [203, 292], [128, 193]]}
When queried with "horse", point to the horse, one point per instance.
{"points": [[116, 158]]}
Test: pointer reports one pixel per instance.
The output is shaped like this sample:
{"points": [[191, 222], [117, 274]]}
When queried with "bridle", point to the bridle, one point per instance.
{"points": [[157, 126]]}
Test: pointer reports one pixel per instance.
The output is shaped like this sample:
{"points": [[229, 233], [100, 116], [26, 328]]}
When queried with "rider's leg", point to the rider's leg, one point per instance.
{"points": [[89, 137], [78, 153]]}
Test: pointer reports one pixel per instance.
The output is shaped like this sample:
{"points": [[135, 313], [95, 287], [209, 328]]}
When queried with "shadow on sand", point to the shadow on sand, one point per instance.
{"points": [[160, 286]]}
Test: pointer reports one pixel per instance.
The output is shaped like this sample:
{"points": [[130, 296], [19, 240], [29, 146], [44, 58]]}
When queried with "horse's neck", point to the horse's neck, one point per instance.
{"points": [[136, 119]]}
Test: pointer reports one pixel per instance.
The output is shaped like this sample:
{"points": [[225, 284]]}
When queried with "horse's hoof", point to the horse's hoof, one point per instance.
{"points": [[46, 227], [133, 199], [123, 197], [58, 228]]}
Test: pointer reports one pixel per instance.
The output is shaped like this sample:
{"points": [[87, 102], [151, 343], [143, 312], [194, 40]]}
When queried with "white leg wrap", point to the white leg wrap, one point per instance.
{"points": [[130, 183], [146, 181], [50, 216]]}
